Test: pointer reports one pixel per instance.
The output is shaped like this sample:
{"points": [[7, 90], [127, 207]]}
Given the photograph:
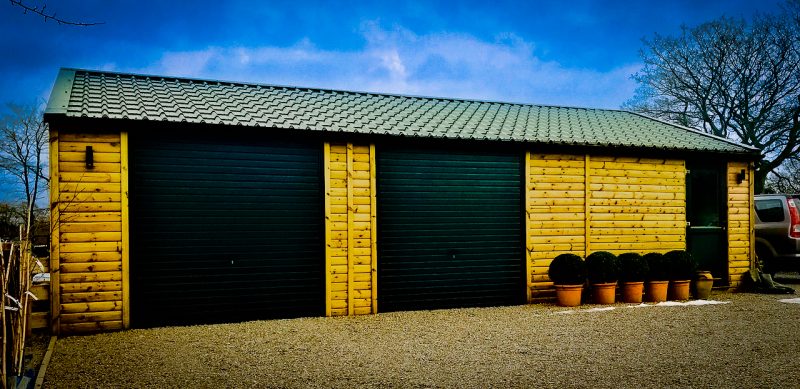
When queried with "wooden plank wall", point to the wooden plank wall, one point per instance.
{"points": [[630, 204], [350, 254], [555, 213], [87, 256], [740, 223], [637, 205]]}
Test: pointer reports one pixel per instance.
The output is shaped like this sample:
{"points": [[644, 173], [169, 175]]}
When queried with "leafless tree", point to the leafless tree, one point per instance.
{"points": [[24, 153], [41, 10], [731, 78], [11, 217], [785, 179]]}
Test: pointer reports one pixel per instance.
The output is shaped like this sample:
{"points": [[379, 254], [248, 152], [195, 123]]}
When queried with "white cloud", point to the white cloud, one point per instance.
{"points": [[399, 61]]}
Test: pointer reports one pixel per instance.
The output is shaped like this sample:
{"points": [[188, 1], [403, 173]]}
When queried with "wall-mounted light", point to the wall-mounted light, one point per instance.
{"points": [[740, 176], [89, 157]]}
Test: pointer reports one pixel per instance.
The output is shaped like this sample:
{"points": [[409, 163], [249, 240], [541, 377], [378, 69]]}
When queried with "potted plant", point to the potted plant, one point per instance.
{"points": [[568, 273], [682, 268], [633, 271], [603, 271], [657, 278]]}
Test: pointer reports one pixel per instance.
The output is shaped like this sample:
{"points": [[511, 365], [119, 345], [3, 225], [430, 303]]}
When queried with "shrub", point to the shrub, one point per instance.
{"points": [[603, 267], [632, 267], [657, 267], [681, 265], [567, 269]]}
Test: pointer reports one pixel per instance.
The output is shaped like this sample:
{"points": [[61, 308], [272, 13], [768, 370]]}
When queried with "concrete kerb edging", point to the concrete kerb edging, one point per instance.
{"points": [[45, 361]]}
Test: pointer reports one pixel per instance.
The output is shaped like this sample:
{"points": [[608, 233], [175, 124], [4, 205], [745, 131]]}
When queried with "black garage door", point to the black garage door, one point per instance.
{"points": [[225, 229], [450, 229]]}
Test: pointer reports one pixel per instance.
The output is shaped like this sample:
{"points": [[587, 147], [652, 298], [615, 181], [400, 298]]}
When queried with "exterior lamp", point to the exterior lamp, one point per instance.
{"points": [[740, 176], [89, 157]]}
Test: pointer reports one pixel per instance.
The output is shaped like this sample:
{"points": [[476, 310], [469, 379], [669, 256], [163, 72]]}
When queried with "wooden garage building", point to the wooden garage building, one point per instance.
{"points": [[182, 201]]}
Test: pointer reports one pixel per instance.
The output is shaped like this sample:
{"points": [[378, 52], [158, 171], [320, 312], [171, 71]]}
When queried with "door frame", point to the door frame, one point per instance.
{"points": [[722, 169]]}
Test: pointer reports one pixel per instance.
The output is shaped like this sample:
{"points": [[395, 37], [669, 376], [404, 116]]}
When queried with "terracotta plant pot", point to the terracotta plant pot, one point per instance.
{"points": [[704, 275], [632, 292], [656, 291], [702, 288], [604, 293], [569, 295], [679, 290]]}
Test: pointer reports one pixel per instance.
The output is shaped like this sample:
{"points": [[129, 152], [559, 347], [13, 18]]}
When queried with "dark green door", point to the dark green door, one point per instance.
{"points": [[225, 228], [707, 217], [449, 228]]}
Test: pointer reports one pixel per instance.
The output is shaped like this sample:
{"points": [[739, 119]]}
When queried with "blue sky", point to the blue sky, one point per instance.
{"points": [[578, 53]]}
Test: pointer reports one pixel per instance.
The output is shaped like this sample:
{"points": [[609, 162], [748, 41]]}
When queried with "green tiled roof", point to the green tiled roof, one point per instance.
{"points": [[105, 95]]}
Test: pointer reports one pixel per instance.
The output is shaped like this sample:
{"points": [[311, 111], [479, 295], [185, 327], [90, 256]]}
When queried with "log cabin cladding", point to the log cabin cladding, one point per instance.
{"points": [[637, 205], [741, 222], [629, 205], [89, 240], [350, 250], [555, 202]]}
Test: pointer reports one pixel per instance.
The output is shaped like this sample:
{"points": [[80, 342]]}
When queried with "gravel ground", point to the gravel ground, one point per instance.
{"points": [[753, 341]]}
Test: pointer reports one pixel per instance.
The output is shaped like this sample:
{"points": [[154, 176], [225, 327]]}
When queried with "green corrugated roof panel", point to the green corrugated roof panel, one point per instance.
{"points": [[106, 95]]}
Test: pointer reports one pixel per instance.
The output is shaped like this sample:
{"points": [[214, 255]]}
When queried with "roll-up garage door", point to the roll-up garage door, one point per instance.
{"points": [[225, 228], [450, 229]]}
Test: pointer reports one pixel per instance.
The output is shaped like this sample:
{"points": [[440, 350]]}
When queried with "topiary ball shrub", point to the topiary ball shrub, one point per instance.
{"points": [[632, 267], [602, 267], [681, 265], [567, 269], [657, 267]]}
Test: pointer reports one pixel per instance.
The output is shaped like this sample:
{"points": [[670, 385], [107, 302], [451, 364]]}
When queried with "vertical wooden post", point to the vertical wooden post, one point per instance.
{"points": [[126, 299], [373, 231], [586, 208], [55, 252], [686, 208], [350, 229], [526, 214], [729, 172], [752, 228], [327, 174]]}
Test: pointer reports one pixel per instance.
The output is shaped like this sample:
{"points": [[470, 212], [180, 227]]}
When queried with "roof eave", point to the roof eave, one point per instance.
{"points": [[696, 131], [58, 102]]}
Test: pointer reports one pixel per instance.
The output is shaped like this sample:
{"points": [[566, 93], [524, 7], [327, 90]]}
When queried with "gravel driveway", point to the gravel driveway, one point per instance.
{"points": [[752, 341]]}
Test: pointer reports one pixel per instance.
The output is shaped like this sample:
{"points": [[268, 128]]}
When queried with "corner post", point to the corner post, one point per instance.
{"points": [[587, 210], [526, 214], [373, 227], [752, 228], [126, 296], [327, 178], [350, 230], [55, 252]]}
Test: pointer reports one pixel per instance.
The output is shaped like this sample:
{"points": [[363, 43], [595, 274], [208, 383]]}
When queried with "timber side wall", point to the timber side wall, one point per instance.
{"points": [[89, 242], [741, 222], [555, 203], [581, 204], [350, 255]]}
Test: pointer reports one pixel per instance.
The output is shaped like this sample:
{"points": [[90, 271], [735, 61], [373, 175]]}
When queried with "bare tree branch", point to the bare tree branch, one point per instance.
{"points": [[41, 11], [24, 145], [730, 78]]}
